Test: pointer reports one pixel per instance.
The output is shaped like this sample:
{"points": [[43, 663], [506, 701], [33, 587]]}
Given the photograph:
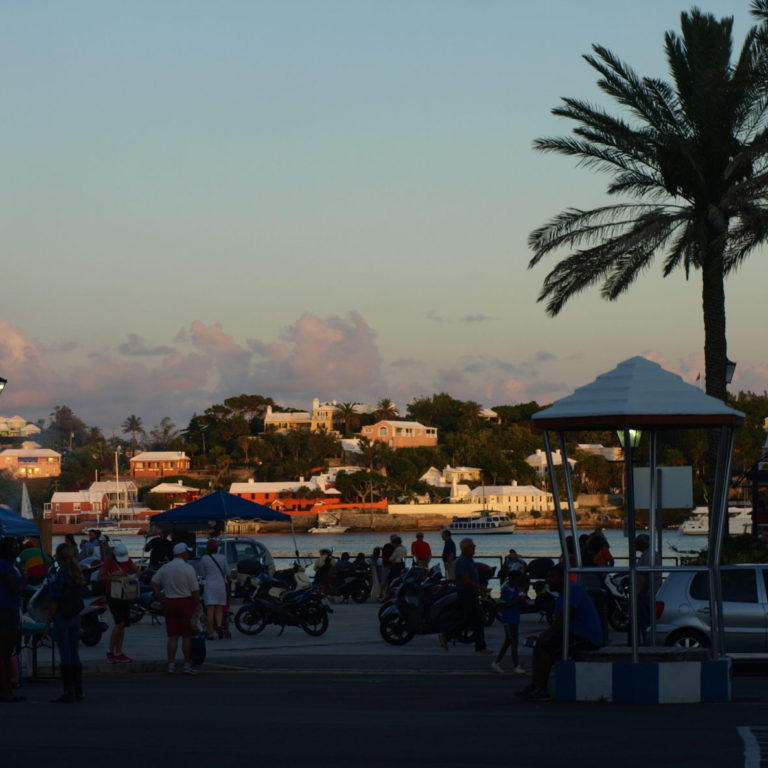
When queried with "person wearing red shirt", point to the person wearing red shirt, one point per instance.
{"points": [[421, 551]]}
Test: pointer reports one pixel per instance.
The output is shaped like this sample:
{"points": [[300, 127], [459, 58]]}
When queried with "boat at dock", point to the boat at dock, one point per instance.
{"points": [[328, 529], [739, 522], [482, 523]]}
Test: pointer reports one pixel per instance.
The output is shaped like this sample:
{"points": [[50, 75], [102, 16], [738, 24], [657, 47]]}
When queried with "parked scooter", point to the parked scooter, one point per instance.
{"points": [[423, 606], [272, 602], [347, 579], [616, 588]]}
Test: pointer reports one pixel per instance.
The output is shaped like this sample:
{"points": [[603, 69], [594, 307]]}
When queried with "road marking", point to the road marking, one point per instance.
{"points": [[755, 739]]}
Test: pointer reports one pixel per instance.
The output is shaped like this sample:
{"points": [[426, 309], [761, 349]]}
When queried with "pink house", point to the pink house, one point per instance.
{"points": [[401, 434]]}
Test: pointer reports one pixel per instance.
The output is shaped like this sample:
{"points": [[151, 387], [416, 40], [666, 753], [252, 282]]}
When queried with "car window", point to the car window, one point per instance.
{"points": [[739, 586], [244, 550]]}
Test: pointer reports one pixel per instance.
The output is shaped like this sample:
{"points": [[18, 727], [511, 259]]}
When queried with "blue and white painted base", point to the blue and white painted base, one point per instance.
{"points": [[665, 682]]}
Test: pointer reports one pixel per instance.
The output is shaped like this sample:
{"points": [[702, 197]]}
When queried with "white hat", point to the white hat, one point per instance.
{"points": [[180, 549], [120, 553]]}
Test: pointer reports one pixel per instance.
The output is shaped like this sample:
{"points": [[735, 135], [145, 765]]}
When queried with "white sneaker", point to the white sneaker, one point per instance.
{"points": [[171, 669], [520, 671], [497, 668], [190, 670]]}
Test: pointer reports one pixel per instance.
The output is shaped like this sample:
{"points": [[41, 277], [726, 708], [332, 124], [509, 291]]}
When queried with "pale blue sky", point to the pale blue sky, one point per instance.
{"points": [[171, 165]]}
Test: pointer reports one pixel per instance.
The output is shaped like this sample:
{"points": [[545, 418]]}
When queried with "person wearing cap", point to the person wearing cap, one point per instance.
{"points": [[213, 570], [175, 585], [114, 571]]}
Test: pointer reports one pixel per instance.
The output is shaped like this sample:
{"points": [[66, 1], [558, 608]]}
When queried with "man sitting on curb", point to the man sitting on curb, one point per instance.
{"points": [[585, 634]]}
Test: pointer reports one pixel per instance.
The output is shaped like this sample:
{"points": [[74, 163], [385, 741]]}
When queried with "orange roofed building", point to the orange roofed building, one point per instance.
{"points": [[31, 462], [401, 434]]}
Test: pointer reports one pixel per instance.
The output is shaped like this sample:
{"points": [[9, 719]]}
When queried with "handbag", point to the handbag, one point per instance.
{"points": [[126, 588]]}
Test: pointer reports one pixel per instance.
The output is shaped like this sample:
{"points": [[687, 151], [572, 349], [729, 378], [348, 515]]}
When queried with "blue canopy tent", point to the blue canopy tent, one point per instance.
{"points": [[12, 524], [216, 509]]}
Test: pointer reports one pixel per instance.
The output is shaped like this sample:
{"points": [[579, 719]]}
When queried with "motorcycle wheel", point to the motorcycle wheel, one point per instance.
{"points": [[250, 620], [361, 594], [314, 620], [136, 614], [617, 618], [90, 636], [394, 630]]}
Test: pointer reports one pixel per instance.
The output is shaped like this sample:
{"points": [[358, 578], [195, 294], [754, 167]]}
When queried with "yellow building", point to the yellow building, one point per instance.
{"points": [[320, 418]]}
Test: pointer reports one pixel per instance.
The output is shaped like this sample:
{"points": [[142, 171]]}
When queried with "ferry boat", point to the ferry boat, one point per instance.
{"points": [[482, 523], [739, 522]]}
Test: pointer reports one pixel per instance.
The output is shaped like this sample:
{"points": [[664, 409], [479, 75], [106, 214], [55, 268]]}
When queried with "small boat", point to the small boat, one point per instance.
{"points": [[112, 529], [739, 522], [482, 523], [329, 529]]}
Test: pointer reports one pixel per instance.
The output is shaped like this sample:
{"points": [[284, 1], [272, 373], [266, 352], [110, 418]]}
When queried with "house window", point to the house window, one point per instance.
{"points": [[76, 506], [57, 507], [383, 431]]}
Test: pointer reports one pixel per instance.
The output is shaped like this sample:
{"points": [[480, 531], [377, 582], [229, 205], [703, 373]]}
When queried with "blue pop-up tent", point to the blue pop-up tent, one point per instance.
{"points": [[12, 524], [218, 508]]}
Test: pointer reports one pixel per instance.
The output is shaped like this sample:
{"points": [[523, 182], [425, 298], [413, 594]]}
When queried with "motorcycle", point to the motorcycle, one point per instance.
{"points": [[273, 602], [423, 606], [616, 588], [347, 580]]}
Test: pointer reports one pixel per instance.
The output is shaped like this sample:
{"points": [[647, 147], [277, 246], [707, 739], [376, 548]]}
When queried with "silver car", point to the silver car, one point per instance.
{"points": [[236, 548], [682, 609]]}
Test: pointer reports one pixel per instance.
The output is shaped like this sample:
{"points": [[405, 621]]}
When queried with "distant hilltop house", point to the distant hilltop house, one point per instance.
{"points": [[538, 461], [72, 507], [159, 463], [401, 434], [448, 476], [489, 415], [31, 462], [321, 417], [17, 426]]}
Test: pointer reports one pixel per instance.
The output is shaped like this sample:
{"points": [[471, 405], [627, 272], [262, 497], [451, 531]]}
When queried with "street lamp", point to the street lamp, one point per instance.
{"points": [[634, 437], [730, 369]]}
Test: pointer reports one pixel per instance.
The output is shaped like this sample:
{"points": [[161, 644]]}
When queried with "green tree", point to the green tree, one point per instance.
{"points": [[386, 410], [348, 415], [690, 156], [164, 435]]}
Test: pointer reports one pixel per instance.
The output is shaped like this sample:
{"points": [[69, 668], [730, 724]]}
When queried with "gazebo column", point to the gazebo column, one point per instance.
{"points": [[629, 502], [654, 527]]}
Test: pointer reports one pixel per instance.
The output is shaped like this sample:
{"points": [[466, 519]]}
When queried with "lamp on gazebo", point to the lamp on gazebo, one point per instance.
{"points": [[634, 437]]}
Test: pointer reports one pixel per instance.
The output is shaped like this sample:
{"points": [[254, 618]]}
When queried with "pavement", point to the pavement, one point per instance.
{"points": [[348, 698]]}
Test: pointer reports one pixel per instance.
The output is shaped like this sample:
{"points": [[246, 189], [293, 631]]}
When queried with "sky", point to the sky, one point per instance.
{"points": [[314, 198]]}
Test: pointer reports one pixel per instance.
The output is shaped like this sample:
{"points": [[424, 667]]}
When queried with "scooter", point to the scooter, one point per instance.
{"points": [[272, 602], [616, 588]]}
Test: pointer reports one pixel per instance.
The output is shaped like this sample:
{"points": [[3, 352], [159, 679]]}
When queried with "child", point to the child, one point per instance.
{"points": [[512, 597]]}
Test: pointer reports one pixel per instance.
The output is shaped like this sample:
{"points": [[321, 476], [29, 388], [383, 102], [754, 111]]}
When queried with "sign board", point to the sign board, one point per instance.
{"points": [[674, 487]]}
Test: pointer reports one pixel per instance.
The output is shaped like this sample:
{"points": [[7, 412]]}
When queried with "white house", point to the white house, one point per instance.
{"points": [[511, 498]]}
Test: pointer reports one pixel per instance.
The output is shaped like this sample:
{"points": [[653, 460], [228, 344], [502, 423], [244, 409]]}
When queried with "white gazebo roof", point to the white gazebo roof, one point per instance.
{"points": [[638, 392]]}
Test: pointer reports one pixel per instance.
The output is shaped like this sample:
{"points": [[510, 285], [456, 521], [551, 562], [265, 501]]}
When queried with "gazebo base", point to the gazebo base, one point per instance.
{"points": [[646, 682]]}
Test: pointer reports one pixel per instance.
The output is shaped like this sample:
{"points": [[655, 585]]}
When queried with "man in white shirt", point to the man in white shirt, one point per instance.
{"points": [[176, 586]]}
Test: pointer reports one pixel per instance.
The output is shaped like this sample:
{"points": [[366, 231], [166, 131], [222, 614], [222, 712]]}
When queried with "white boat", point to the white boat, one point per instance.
{"points": [[482, 523], [739, 522], [112, 530], [329, 529]]}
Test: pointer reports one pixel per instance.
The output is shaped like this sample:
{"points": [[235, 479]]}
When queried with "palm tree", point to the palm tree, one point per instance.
{"points": [[347, 413], [133, 426], [386, 409], [691, 155]]}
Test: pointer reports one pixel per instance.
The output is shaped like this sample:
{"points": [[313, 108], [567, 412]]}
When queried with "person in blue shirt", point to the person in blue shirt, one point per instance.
{"points": [[469, 590], [585, 633], [512, 597]]}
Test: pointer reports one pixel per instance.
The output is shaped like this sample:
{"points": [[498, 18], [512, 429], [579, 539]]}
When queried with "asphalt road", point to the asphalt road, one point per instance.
{"points": [[422, 718]]}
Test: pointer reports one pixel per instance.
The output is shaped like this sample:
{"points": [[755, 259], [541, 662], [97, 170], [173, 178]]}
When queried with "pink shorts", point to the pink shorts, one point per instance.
{"points": [[178, 616]]}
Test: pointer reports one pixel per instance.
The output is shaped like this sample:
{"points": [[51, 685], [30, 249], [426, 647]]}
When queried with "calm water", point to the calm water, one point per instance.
{"points": [[528, 544]]}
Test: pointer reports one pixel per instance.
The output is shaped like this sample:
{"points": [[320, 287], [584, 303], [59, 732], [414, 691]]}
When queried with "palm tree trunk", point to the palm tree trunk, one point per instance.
{"points": [[715, 344]]}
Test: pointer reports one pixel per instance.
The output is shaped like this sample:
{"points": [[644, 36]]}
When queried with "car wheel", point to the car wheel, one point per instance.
{"points": [[688, 639]]}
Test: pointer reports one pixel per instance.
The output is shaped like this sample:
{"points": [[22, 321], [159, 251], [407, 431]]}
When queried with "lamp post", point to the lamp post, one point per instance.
{"points": [[730, 369]]}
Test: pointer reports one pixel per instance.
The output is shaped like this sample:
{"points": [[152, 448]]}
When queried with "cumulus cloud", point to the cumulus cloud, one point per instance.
{"points": [[136, 345]]}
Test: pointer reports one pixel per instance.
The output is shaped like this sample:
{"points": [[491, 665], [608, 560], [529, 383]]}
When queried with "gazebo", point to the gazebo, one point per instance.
{"points": [[640, 397]]}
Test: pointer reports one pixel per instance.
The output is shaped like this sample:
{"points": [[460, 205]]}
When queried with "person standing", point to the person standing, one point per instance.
{"points": [[160, 550], [397, 560], [175, 585], [376, 572], [213, 569], [114, 571], [386, 553], [470, 589], [65, 582], [10, 604], [449, 555], [647, 586], [512, 597], [421, 551]]}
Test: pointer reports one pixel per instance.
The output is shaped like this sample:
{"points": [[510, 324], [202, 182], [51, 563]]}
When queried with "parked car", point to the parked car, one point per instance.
{"points": [[682, 609], [237, 548]]}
